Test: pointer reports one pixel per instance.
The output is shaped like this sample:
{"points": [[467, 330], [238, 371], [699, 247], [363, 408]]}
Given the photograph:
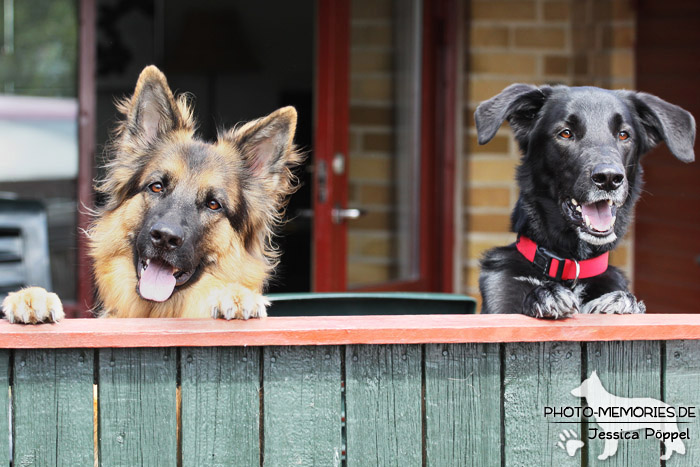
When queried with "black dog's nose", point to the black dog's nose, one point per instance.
{"points": [[607, 177], [166, 236]]}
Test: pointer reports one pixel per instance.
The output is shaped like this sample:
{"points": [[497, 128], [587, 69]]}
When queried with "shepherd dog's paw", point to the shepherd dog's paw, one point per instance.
{"points": [[619, 303], [238, 303], [32, 305], [551, 301]]}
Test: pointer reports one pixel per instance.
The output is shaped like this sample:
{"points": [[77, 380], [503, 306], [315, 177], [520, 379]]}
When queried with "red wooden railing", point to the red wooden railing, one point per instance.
{"points": [[342, 330]]}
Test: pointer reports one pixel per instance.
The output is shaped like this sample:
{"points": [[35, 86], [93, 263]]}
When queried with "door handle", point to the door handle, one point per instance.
{"points": [[339, 214]]}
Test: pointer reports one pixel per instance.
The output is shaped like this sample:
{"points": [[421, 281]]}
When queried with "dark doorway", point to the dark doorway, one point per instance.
{"points": [[239, 60]]}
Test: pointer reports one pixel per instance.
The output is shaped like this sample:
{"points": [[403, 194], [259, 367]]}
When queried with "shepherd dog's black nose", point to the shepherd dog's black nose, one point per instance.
{"points": [[607, 177], [167, 237]]}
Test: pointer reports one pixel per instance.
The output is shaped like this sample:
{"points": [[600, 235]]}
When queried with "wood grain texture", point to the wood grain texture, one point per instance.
{"points": [[4, 407], [383, 405], [682, 389], [53, 409], [463, 405], [626, 369], [342, 330], [220, 406], [537, 376], [137, 407], [302, 400]]}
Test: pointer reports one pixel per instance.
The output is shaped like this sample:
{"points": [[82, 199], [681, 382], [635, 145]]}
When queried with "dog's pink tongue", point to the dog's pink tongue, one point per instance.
{"points": [[599, 214], [157, 282]]}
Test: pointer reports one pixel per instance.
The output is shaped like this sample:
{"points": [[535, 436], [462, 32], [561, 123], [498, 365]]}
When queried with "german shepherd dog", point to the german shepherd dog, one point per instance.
{"points": [[187, 226], [579, 178]]}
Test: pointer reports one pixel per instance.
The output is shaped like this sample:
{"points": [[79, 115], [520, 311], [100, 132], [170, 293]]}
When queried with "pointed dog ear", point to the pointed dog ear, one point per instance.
{"points": [[149, 114], [518, 103], [663, 121], [265, 150], [152, 111], [266, 144]]}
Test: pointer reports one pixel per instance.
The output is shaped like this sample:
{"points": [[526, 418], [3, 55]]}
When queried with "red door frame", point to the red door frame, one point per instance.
{"points": [[330, 138], [87, 118], [446, 38], [438, 162], [87, 142]]}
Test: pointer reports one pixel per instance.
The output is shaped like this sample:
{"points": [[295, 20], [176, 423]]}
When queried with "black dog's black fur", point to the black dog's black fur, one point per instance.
{"points": [[582, 144]]}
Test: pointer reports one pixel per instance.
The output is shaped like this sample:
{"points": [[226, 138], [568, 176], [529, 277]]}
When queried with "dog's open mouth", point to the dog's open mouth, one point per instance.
{"points": [[158, 279], [596, 218]]}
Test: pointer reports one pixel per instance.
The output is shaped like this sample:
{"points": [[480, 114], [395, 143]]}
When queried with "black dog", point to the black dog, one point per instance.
{"points": [[579, 179]]}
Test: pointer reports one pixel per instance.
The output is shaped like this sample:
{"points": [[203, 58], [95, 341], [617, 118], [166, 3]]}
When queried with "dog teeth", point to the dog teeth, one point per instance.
{"points": [[587, 221], [578, 209], [610, 203], [574, 202]]}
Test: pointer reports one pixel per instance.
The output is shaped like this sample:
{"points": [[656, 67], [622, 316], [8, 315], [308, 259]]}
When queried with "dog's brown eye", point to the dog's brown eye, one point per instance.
{"points": [[213, 205], [623, 135], [156, 187], [566, 134]]}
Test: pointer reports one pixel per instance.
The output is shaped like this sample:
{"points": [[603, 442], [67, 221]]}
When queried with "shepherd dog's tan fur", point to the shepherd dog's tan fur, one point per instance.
{"points": [[248, 165]]}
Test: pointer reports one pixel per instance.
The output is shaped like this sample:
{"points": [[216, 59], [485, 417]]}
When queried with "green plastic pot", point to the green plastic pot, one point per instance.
{"points": [[373, 303]]}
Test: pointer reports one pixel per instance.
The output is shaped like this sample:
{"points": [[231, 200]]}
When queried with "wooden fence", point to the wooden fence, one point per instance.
{"points": [[401, 390]]}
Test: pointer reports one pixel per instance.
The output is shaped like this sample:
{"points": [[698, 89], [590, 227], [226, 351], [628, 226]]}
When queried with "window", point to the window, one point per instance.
{"points": [[38, 121]]}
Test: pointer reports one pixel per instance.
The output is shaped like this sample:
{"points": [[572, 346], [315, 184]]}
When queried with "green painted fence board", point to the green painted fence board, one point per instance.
{"points": [[53, 407], [220, 406], [383, 405], [4, 407], [626, 369], [438, 404], [536, 376], [463, 405], [682, 390], [137, 407], [302, 414]]}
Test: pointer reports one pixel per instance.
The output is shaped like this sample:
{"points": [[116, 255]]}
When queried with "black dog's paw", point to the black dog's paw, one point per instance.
{"points": [[620, 303], [550, 300]]}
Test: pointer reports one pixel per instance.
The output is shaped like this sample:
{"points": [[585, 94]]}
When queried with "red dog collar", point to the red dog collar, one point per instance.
{"points": [[561, 268]]}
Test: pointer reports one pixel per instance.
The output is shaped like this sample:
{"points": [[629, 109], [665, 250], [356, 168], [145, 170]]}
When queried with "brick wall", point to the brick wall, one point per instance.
{"points": [[371, 238], [587, 42]]}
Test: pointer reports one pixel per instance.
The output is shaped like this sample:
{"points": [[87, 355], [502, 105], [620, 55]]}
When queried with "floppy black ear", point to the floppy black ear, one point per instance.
{"points": [[518, 103], [663, 121]]}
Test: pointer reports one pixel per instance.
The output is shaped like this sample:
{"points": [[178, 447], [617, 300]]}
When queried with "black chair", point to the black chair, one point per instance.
{"points": [[24, 246]]}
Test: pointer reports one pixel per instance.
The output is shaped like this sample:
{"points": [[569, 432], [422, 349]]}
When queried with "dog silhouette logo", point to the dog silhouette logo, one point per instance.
{"points": [[618, 416]]}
